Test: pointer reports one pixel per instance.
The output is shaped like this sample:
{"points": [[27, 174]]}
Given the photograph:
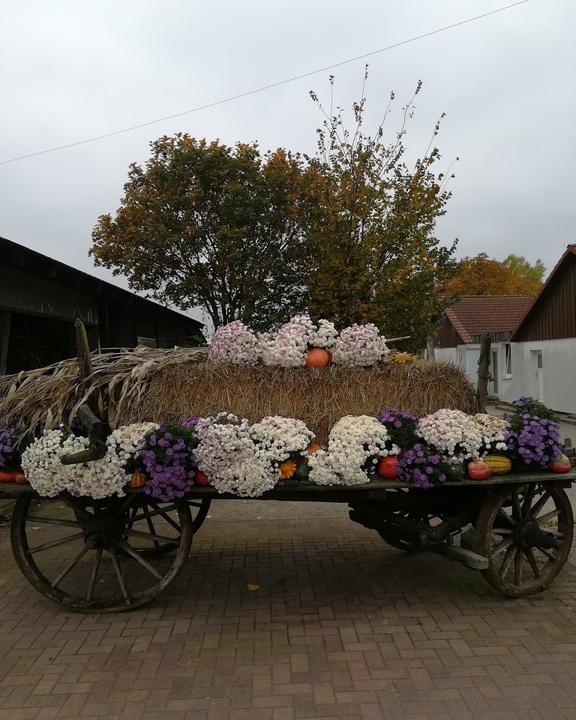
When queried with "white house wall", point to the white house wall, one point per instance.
{"points": [[558, 373], [556, 384], [464, 356], [447, 355]]}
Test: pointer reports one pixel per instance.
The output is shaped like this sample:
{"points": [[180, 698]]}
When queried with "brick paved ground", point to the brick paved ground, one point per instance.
{"points": [[341, 626]]}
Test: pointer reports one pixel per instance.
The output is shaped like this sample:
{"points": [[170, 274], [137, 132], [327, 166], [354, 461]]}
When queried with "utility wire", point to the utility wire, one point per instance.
{"points": [[215, 103]]}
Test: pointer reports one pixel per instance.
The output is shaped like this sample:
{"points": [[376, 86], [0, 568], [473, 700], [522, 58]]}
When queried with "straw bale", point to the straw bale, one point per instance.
{"points": [[167, 386]]}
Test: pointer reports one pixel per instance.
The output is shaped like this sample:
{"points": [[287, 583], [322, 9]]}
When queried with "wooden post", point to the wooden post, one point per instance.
{"points": [[430, 348], [83, 350], [483, 373]]}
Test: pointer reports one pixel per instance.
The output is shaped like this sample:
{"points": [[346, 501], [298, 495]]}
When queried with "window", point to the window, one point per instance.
{"points": [[538, 354], [507, 360]]}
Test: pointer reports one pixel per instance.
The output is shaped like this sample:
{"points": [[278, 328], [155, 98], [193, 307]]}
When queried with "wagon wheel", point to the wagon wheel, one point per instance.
{"points": [[526, 533], [85, 555], [141, 509]]}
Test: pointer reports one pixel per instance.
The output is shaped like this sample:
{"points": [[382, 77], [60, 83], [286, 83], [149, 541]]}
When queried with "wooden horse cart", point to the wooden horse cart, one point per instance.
{"points": [[119, 553]]}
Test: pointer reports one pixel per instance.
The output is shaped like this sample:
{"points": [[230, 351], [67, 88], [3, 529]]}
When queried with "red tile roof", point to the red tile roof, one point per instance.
{"points": [[476, 315]]}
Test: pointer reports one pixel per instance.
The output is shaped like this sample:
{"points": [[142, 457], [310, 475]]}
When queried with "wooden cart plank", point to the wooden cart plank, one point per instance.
{"points": [[326, 493]]}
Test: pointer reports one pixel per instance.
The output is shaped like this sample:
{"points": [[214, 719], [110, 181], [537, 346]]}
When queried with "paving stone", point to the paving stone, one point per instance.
{"points": [[341, 626]]}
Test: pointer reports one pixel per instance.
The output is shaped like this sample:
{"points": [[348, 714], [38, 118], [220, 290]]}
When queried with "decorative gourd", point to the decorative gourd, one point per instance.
{"points": [[287, 469], [478, 470], [560, 465], [138, 480], [201, 478], [318, 357], [499, 464], [388, 467]]}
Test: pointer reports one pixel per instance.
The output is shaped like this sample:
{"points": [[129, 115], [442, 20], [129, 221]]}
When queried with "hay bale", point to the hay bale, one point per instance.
{"points": [[319, 397], [167, 386]]}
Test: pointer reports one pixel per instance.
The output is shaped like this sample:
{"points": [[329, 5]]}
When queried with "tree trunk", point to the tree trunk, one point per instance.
{"points": [[483, 373]]}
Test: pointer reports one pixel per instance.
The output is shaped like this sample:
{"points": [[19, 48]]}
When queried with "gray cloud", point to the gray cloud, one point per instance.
{"points": [[71, 70]]}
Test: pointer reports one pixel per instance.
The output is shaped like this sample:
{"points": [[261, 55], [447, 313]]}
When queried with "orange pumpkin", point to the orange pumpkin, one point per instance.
{"points": [[318, 357], [478, 470], [287, 469], [201, 478], [138, 480], [20, 479], [313, 448], [388, 467]]}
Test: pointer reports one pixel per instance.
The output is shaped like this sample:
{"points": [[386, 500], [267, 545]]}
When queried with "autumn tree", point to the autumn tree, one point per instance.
{"points": [[481, 275], [205, 224], [531, 275], [370, 223]]}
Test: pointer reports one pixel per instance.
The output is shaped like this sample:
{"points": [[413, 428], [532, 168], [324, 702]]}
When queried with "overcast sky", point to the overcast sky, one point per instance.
{"points": [[71, 70]]}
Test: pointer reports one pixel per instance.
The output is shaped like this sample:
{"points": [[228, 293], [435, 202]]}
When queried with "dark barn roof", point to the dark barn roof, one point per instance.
{"points": [[552, 315], [36, 285], [475, 315]]}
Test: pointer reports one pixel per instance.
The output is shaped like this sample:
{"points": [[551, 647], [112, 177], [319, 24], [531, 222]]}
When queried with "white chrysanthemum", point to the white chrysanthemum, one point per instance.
{"points": [[452, 433], [244, 460], [354, 441], [41, 461], [107, 476], [492, 430], [288, 347], [277, 437], [360, 346], [325, 335], [235, 343]]}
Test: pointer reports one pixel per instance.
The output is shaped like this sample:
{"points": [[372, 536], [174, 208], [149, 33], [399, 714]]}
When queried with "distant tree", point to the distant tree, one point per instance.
{"points": [[481, 275], [370, 221], [530, 274], [204, 224]]}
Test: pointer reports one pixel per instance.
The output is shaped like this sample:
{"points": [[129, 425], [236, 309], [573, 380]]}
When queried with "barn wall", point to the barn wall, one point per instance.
{"points": [[554, 314], [447, 336]]}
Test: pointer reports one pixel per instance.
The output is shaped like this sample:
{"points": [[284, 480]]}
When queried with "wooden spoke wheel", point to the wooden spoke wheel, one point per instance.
{"points": [[526, 533], [148, 510], [100, 555]]}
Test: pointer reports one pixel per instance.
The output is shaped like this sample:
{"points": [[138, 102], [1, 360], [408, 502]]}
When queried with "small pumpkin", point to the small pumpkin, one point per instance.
{"points": [[201, 478], [20, 478], [560, 465], [287, 469], [388, 467], [318, 358], [499, 464], [8, 476], [313, 448], [138, 480], [478, 470]]}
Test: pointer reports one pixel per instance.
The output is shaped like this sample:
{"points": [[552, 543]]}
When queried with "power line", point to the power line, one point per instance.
{"points": [[247, 93]]}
